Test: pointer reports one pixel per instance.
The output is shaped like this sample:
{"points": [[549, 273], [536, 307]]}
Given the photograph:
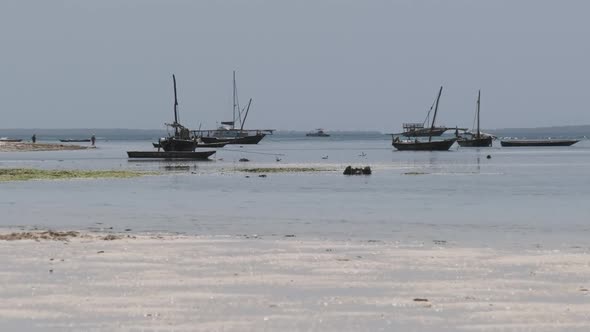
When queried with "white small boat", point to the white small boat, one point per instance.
{"points": [[317, 133], [8, 139]]}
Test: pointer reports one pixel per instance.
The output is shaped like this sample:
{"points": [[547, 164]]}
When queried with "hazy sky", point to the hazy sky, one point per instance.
{"points": [[366, 65]]}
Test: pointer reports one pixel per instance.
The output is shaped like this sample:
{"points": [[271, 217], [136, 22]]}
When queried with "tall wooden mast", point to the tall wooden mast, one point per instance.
{"points": [[235, 101], [434, 116], [245, 116], [175, 105], [478, 103]]}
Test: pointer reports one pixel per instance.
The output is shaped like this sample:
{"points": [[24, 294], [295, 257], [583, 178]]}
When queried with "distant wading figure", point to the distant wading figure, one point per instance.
{"points": [[93, 140], [34, 138]]}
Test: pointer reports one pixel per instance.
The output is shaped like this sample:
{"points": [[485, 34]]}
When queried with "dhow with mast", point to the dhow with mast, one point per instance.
{"points": [[228, 132], [477, 139], [430, 145], [179, 145]]}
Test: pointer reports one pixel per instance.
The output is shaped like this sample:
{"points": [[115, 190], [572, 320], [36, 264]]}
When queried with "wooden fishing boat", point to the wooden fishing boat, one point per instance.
{"points": [[481, 142], [199, 145], [418, 130], [181, 140], [430, 145], [197, 155], [228, 132], [240, 138], [477, 139], [416, 145], [180, 145], [538, 142]]}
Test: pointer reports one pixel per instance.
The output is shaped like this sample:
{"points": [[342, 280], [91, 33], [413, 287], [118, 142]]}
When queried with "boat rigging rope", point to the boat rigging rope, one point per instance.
{"points": [[427, 120]]}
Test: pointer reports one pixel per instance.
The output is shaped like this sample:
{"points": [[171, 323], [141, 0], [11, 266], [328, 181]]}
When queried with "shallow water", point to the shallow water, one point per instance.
{"points": [[519, 197]]}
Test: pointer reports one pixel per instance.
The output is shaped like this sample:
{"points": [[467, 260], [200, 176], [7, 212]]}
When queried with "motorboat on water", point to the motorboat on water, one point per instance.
{"points": [[318, 133]]}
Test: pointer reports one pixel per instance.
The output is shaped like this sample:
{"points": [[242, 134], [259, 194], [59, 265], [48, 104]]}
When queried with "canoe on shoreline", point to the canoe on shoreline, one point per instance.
{"points": [[539, 142]]}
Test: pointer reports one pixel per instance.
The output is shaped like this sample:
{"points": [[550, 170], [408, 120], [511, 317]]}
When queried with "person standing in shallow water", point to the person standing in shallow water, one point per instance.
{"points": [[93, 140], [34, 138]]}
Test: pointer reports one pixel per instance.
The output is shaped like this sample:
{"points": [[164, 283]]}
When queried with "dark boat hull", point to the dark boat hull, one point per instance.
{"points": [[253, 139], [199, 145], [175, 144], [562, 142], [211, 145], [475, 142], [198, 155], [424, 146]]}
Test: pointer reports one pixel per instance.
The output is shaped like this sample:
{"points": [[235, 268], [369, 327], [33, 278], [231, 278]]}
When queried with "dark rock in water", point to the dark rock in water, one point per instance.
{"points": [[489, 157], [348, 170], [262, 175], [357, 171], [244, 160]]}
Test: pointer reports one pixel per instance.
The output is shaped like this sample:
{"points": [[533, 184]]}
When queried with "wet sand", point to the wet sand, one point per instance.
{"points": [[28, 146], [93, 281]]}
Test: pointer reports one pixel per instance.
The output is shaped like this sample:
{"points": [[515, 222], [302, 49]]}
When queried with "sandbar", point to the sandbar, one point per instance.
{"points": [[28, 146], [165, 282]]}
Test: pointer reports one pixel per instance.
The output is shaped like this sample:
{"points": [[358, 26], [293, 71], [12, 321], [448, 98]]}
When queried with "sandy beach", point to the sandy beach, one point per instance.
{"points": [[28, 146], [96, 281]]}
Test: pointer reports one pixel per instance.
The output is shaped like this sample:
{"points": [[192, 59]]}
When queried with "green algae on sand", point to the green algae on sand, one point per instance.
{"points": [[24, 174], [37, 236], [283, 169], [30, 147]]}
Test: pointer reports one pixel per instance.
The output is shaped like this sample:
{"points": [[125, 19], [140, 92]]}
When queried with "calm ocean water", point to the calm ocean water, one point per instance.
{"points": [[520, 197]]}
